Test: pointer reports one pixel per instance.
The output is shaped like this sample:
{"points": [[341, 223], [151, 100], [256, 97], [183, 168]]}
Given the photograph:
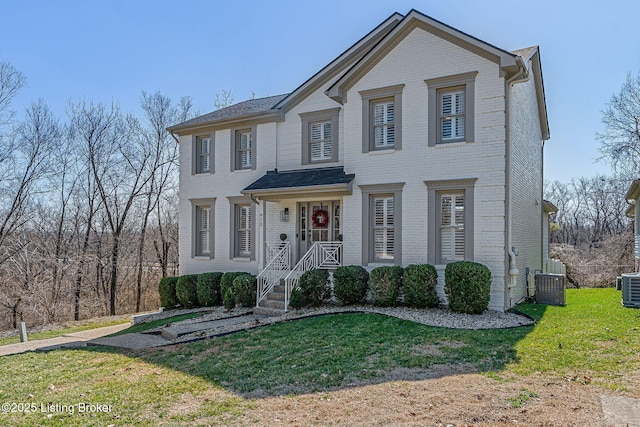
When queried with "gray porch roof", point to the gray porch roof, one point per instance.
{"points": [[301, 181]]}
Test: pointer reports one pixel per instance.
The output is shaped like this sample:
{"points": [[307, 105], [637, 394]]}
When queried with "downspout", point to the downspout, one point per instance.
{"points": [[520, 76]]}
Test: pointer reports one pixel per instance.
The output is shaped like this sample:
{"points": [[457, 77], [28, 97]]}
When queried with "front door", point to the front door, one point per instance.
{"points": [[317, 222]]}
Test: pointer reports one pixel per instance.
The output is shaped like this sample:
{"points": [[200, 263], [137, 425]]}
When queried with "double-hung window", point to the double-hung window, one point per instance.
{"points": [[320, 136], [451, 108], [202, 157], [242, 228], [450, 206], [243, 154], [382, 118], [452, 115], [202, 237], [384, 124], [381, 225]]}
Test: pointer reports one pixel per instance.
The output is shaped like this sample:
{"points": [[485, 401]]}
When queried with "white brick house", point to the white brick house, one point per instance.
{"points": [[419, 144]]}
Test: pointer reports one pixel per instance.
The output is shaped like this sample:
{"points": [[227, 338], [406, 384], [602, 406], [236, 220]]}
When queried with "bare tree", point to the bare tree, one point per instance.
{"points": [[620, 141], [223, 99]]}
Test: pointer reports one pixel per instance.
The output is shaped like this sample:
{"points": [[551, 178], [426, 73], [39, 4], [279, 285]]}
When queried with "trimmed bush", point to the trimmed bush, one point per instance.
{"points": [[419, 284], [167, 290], [468, 286], [187, 290], [208, 289], [244, 288], [350, 283], [229, 299], [226, 282], [295, 300], [384, 283], [315, 288]]}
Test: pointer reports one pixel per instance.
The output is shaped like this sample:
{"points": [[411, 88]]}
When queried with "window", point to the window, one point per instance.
{"points": [[451, 114], [381, 118], [382, 229], [450, 220], [451, 224], [451, 108], [243, 226], [243, 156], [381, 232], [243, 231], [320, 136], [202, 154], [202, 237]]}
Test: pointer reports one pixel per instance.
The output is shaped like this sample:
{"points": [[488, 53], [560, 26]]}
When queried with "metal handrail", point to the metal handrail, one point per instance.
{"points": [[321, 255], [277, 268]]}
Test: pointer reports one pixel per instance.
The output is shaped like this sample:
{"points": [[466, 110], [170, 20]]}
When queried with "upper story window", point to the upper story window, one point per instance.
{"points": [[451, 108], [202, 154], [382, 118], [320, 136], [243, 154]]}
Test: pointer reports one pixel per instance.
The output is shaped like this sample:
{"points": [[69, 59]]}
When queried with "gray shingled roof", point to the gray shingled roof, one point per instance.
{"points": [[247, 108], [300, 178]]}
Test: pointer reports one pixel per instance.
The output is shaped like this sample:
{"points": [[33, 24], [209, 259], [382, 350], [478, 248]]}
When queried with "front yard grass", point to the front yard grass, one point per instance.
{"points": [[593, 339], [32, 336]]}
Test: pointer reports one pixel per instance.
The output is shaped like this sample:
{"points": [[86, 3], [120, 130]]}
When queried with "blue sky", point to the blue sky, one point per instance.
{"points": [[112, 50]]}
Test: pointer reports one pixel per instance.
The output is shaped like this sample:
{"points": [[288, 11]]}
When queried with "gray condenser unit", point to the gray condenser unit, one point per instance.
{"points": [[550, 289], [630, 286]]}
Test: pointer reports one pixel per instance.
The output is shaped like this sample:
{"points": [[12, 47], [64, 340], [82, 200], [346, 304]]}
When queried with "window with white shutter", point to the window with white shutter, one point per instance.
{"points": [[383, 230], [452, 116], [243, 231], [203, 219], [320, 141], [384, 124], [245, 150], [203, 154], [452, 237]]}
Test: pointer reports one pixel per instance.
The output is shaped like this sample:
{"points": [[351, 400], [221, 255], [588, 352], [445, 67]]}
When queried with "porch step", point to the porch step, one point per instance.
{"points": [[272, 304], [279, 288], [275, 296], [268, 311]]}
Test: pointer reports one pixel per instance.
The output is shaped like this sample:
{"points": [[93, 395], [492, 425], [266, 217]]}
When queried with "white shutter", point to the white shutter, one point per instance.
{"points": [[452, 115], [321, 144], [452, 227], [204, 230], [383, 227], [244, 230], [383, 124], [245, 149], [205, 150]]}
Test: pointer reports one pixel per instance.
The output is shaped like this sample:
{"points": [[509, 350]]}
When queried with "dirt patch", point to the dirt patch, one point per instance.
{"points": [[436, 349], [457, 400]]}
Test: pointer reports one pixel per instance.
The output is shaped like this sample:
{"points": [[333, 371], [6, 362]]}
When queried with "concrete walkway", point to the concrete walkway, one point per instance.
{"points": [[621, 411], [74, 339]]}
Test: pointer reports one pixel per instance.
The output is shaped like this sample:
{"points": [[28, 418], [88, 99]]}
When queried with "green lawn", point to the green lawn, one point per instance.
{"points": [[141, 327], [593, 339]]}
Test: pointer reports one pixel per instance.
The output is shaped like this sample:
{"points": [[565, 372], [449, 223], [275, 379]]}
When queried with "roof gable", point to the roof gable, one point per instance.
{"points": [[509, 62]]}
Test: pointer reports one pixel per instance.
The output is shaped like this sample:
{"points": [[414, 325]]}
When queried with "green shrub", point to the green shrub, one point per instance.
{"points": [[384, 283], [419, 284], [315, 288], [229, 299], [187, 290], [208, 289], [244, 288], [468, 286], [226, 282], [350, 284], [167, 290], [295, 299]]}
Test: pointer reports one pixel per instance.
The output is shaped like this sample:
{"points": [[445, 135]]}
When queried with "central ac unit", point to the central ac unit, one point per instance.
{"points": [[630, 285]]}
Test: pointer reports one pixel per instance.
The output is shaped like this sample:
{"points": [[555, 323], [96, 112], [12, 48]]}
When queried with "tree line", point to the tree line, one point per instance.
{"points": [[88, 206]]}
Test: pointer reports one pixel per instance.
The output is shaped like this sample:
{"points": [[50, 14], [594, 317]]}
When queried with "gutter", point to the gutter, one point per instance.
{"points": [[520, 76]]}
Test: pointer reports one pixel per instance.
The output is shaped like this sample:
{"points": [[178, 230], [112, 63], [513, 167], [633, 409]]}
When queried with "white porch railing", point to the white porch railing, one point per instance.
{"points": [[278, 266], [322, 255]]}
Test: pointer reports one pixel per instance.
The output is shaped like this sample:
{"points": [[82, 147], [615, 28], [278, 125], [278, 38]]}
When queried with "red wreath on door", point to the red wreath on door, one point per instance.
{"points": [[320, 218]]}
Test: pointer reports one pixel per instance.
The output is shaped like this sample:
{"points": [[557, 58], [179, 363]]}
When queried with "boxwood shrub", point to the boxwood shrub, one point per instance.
{"points": [[226, 282], [208, 289], [467, 286], [167, 291], [244, 289], [229, 299], [419, 285], [350, 283], [295, 300], [314, 287], [384, 283], [187, 290]]}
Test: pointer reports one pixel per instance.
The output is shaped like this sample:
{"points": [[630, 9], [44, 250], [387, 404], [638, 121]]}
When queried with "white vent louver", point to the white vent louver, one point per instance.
{"points": [[631, 290]]}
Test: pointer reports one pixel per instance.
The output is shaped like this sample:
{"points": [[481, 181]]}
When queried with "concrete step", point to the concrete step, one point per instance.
{"points": [[275, 296], [272, 304], [279, 288], [268, 311]]}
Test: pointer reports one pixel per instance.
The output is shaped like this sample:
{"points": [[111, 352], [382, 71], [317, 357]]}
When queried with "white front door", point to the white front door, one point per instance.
{"points": [[317, 222]]}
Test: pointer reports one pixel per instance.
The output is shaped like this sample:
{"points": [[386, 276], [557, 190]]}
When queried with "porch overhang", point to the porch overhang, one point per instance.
{"points": [[277, 185]]}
